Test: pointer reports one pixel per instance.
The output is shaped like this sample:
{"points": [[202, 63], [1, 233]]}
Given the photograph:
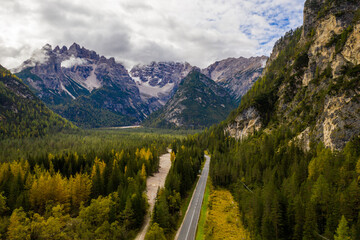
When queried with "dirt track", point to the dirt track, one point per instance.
{"points": [[152, 185]]}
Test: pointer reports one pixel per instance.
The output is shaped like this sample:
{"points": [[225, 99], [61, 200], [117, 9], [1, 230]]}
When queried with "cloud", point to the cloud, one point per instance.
{"points": [[72, 61], [136, 31]]}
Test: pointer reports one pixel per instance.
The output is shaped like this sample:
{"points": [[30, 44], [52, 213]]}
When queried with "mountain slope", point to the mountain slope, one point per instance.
{"points": [[22, 114], [63, 77], [198, 102], [298, 176], [312, 81], [236, 75]]}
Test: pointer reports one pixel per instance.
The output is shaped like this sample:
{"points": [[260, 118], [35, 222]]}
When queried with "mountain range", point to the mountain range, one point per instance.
{"points": [[94, 91], [86, 88]]}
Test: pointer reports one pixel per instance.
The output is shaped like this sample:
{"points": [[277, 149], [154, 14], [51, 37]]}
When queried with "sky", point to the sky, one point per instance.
{"points": [[140, 31]]}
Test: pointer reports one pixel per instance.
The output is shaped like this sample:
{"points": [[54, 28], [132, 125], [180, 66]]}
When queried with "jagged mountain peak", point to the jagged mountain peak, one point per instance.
{"points": [[236, 75], [63, 75], [75, 46], [47, 47]]}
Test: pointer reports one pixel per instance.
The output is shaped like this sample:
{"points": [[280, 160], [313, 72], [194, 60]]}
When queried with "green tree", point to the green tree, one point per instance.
{"points": [[155, 233], [3, 207], [161, 211], [19, 228], [342, 232], [310, 226]]}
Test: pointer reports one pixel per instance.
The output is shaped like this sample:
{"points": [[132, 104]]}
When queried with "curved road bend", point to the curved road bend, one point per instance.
{"points": [[188, 228]]}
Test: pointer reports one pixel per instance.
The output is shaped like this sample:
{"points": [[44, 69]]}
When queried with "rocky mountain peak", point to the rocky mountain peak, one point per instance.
{"points": [[74, 47], [311, 10], [47, 47], [64, 49], [236, 75], [66, 76]]}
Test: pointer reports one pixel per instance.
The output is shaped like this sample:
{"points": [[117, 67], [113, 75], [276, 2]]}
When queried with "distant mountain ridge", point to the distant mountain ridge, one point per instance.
{"points": [[94, 91]]}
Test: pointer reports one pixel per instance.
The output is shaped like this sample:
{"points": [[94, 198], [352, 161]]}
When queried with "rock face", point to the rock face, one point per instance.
{"points": [[246, 123], [236, 75], [311, 10], [311, 83], [158, 81], [62, 76], [199, 102], [339, 121]]}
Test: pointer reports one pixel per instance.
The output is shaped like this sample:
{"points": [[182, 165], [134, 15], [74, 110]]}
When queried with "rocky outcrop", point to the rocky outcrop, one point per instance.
{"points": [[245, 124], [311, 12], [236, 75], [340, 120]]}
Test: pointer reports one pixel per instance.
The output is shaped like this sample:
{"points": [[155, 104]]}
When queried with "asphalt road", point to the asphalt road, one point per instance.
{"points": [[188, 228]]}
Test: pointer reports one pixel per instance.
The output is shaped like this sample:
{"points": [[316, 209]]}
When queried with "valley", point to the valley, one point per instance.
{"points": [[147, 141]]}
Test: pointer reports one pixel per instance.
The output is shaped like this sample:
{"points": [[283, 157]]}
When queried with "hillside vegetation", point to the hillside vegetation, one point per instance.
{"points": [[22, 114]]}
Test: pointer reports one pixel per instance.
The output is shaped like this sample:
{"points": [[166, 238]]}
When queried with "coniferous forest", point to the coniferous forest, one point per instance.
{"points": [[284, 192], [88, 185]]}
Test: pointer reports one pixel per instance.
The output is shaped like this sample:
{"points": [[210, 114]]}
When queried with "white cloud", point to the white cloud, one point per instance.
{"points": [[72, 61], [137, 31]]}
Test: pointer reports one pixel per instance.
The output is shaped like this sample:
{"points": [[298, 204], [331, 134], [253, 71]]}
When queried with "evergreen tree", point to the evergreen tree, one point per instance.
{"points": [[155, 233], [342, 232]]}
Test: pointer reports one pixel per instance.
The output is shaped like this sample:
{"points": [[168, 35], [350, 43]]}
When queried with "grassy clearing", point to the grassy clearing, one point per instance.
{"points": [[222, 219], [200, 234]]}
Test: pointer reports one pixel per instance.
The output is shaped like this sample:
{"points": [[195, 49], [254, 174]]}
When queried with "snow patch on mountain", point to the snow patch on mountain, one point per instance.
{"points": [[148, 91]]}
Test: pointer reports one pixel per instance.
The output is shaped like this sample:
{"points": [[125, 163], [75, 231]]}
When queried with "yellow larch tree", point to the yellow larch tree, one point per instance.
{"points": [[80, 189]]}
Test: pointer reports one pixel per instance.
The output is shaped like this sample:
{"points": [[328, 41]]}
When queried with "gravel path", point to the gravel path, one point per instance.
{"points": [[152, 185]]}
